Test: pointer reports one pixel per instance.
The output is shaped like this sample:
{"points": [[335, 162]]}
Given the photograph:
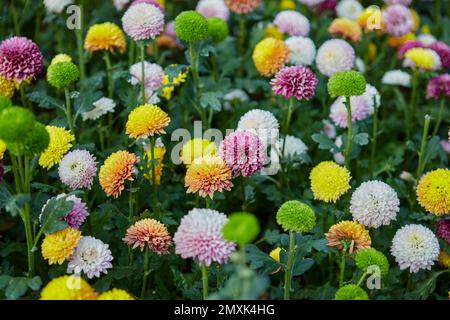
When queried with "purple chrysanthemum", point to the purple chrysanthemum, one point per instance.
{"points": [[296, 81], [143, 21], [77, 215], [244, 153], [398, 20], [409, 45], [443, 50], [199, 236], [439, 86], [20, 59], [77, 169], [443, 229], [292, 23]]}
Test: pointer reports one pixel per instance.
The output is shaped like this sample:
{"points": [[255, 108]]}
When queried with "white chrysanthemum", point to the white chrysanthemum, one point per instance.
{"points": [[292, 22], [415, 247], [90, 256], [335, 55], [77, 169], [374, 204], [213, 8], [261, 122], [338, 110], [369, 95], [101, 107], [234, 95], [294, 147], [143, 21], [397, 78], [338, 156], [349, 9], [303, 50], [56, 6], [153, 75], [360, 65], [426, 39]]}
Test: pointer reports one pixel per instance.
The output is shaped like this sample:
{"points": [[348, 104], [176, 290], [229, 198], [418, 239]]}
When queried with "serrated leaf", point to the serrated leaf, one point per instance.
{"points": [[211, 100], [300, 267], [35, 283], [361, 139], [53, 214], [4, 281], [17, 287], [45, 101], [324, 142]]}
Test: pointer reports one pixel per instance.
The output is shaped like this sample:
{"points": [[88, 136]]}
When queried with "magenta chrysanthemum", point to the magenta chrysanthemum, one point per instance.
{"points": [[20, 59], [398, 20], [77, 169], [439, 86], [409, 45], [244, 153], [443, 229], [143, 21], [292, 23], [443, 50], [296, 81], [199, 236]]}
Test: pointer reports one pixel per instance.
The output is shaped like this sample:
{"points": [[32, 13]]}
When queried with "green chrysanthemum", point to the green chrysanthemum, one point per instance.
{"points": [[15, 123], [218, 29], [351, 292], [35, 141], [296, 216], [191, 26], [5, 102], [346, 83], [242, 228], [62, 74], [371, 257]]}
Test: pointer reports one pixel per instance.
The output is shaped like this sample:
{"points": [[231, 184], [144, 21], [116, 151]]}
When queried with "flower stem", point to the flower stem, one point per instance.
{"points": [[289, 267], [342, 269], [69, 110], [205, 281], [146, 271], [423, 145], [144, 100], [374, 136], [348, 148], [153, 168], [79, 35], [287, 126], [412, 104], [439, 118], [109, 73], [360, 281], [244, 198], [241, 43]]}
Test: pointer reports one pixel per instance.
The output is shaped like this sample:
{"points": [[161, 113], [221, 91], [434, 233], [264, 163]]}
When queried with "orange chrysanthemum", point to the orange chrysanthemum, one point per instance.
{"points": [[346, 28], [398, 41], [58, 247], [207, 175], [149, 232], [146, 120], [117, 169], [350, 234], [105, 36], [164, 41], [270, 55], [242, 6]]}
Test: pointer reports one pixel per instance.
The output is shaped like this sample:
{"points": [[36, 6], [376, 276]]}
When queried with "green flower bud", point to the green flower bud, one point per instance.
{"points": [[296, 216], [242, 228], [351, 292], [217, 29], [346, 83], [372, 257], [191, 26], [62, 74], [15, 123]]}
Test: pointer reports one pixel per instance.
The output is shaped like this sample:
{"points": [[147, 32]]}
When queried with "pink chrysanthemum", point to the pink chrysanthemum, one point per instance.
{"points": [[439, 86], [296, 81], [409, 45], [153, 75], [77, 215], [213, 8], [20, 59], [242, 6], [199, 236], [443, 50], [338, 110], [152, 2], [143, 21], [292, 23], [244, 153], [443, 229], [77, 169], [397, 20]]}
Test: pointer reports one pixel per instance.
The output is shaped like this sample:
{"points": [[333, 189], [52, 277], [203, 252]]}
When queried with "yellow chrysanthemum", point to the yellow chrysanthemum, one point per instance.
{"points": [[272, 32], [115, 294], [168, 87], [287, 5], [207, 175], [416, 19], [346, 28], [68, 288], [275, 255], [58, 247], [398, 41], [7, 87], [115, 171], [444, 259], [329, 181], [433, 192], [62, 57], [196, 148], [60, 142], [158, 154], [2, 149], [146, 120], [105, 36], [270, 55], [349, 234], [422, 58], [370, 19]]}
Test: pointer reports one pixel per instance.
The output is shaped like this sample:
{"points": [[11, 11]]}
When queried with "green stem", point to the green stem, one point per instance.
{"points": [[22, 95], [155, 52], [244, 198], [131, 204], [289, 267], [194, 69], [360, 281], [68, 110], [348, 148], [144, 100], [109, 73], [153, 168], [342, 269], [79, 35], [412, 104], [439, 118], [241, 43], [131, 53], [15, 20], [146, 271], [423, 145], [374, 137], [287, 124], [205, 281]]}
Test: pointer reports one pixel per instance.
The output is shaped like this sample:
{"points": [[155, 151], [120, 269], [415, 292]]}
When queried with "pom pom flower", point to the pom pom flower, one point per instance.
{"points": [[15, 122], [335, 55], [270, 55], [420, 58], [146, 120], [62, 74], [439, 87], [397, 20], [59, 246], [197, 148], [68, 288], [370, 257], [261, 122], [143, 21], [77, 169], [242, 6], [242, 228], [213, 8], [77, 215], [351, 292], [302, 51], [346, 83], [296, 216], [191, 26], [115, 294], [443, 229], [292, 23], [349, 235], [105, 37], [117, 169], [433, 192], [345, 28], [297, 81], [329, 181], [151, 233], [60, 142], [217, 29]]}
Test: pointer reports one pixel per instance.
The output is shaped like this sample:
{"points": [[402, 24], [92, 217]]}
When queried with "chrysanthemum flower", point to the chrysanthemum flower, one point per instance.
{"points": [[270, 55], [296, 216], [443, 229], [296, 81], [207, 175], [101, 107], [397, 77], [261, 122], [56, 6], [143, 21], [91, 256], [242, 6], [415, 247], [15, 123], [213, 8], [360, 110], [117, 169], [241, 228], [439, 86], [153, 75], [59, 246], [408, 45], [218, 29], [158, 153], [311, 3], [329, 181], [346, 28], [146, 120], [346, 83], [370, 19], [191, 26], [244, 152], [402, 2], [271, 31], [199, 236], [421, 58], [68, 288], [77, 169], [7, 87], [62, 74], [444, 259], [275, 255], [351, 292], [115, 294], [433, 192], [20, 59], [292, 23], [443, 50], [105, 37], [294, 147], [168, 85], [234, 96], [60, 142], [350, 9], [335, 55], [370, 257], [151, 233], [197, 148], [374, 203], [350, 235], [398, 20], [302, 51], [77, 215], [61, 57]]}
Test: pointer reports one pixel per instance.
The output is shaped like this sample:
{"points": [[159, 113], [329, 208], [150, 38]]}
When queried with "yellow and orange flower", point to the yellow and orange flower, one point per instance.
{"points": [[396, 42], [270, 55], [346, 28], [59, 246], [115, 294], [349, 234], [105, 37], [117, 169], [433, 192], [146, 120], [197, 148], [158, 153], [151, 233]]}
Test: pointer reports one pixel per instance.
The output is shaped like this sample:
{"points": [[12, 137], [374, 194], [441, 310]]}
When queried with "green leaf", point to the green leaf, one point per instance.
{"points": [[261, 260], [324, 142], [17, 287], [361, 139], [211, 99], [34, 283], [4, 281], [12, 203], [320, 245], [45, 101], [300, 267], [433, 148], [53, 214], [174, 70]]}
